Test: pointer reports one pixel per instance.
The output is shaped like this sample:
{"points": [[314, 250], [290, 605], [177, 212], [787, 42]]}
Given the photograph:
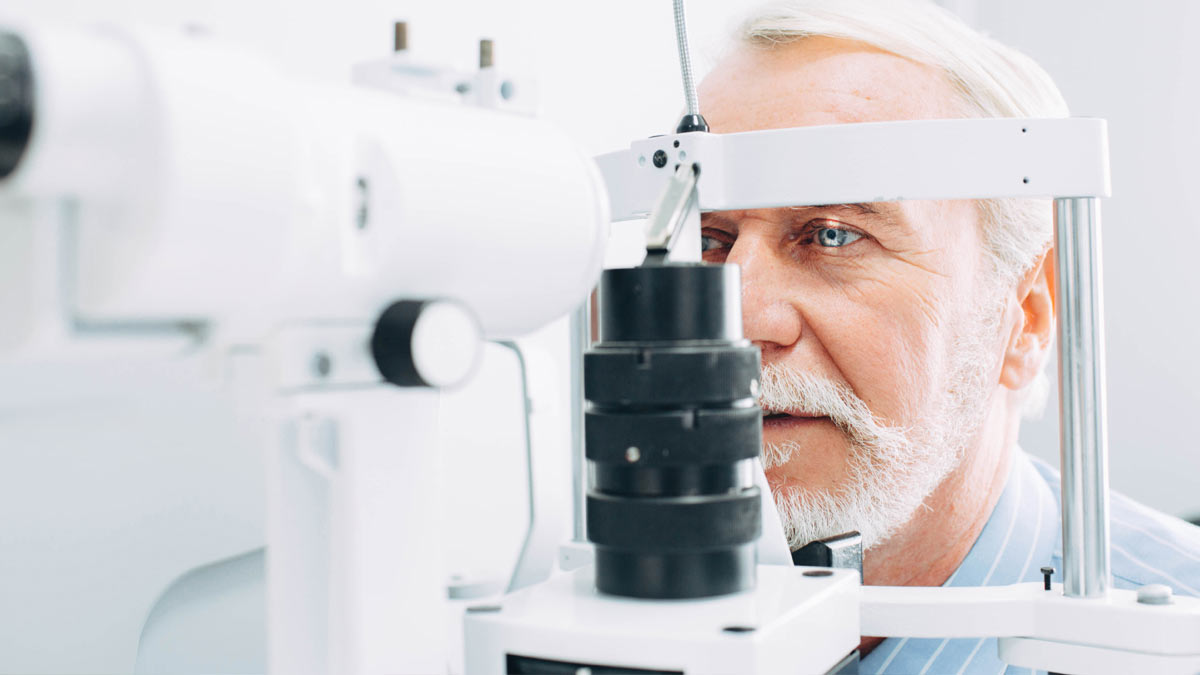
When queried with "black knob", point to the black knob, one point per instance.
{"points": [[426, 343], [691, 123]]}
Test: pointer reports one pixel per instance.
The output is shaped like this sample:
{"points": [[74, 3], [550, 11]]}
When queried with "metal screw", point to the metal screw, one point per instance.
{"points": [[632, 454], [507, 90], [462, 87], [739, 629], [322, 364], [660, 158], [1047, 572]]}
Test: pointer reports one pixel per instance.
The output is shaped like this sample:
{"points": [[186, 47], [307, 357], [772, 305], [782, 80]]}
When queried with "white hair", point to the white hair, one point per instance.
{"points": [[991, 79]]}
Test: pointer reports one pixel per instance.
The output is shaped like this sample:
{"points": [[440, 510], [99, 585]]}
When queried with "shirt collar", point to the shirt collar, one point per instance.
{"points": [[1019, 537]]}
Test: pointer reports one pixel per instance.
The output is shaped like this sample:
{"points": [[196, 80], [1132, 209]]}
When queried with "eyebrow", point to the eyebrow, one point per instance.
{"points": [[862, 208], [888, 213]]}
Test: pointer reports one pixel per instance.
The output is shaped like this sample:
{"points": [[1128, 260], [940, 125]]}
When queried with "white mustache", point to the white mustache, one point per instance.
{"points": [[890, 469]]}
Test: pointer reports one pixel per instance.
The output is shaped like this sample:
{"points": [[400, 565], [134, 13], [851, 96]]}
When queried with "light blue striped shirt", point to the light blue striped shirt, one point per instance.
{"points": [[1024, 534]]}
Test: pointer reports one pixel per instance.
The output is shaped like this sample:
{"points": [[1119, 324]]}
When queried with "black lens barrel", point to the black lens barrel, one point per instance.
{"points": [[16, 102], [677, 302], [671, 419]]}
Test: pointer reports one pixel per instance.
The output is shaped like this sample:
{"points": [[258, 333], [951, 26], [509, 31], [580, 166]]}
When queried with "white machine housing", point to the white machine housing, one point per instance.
{"points": [[214, 186], [218, 201]]}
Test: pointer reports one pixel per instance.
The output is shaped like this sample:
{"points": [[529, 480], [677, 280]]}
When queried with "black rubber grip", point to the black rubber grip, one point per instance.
{"points": [[682, 524], [670, 376]]}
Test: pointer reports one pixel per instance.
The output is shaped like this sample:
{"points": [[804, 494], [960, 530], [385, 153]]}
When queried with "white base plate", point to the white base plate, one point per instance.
{"points": [[800, 624]]}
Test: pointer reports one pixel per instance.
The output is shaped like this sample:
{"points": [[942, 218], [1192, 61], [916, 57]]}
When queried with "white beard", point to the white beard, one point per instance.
{"points": [[890, 470]]}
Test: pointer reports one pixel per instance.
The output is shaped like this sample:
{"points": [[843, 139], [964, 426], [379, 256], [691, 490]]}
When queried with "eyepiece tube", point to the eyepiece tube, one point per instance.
{"points": [[671, 422], [16, 102]]}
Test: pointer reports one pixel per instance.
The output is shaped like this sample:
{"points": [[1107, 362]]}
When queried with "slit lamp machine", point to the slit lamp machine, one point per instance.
{"points": [[369, 238]]}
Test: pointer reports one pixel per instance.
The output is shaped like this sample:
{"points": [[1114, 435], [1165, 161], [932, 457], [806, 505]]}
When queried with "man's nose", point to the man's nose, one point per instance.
{"points": [[769, 317]]}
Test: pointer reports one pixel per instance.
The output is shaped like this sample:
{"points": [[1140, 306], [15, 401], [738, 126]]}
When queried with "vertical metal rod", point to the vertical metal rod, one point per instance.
{"points": [[1082, 402], [581, 340]]}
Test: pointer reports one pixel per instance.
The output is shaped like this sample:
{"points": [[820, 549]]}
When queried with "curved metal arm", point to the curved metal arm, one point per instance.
{"points": [[526, 571]]}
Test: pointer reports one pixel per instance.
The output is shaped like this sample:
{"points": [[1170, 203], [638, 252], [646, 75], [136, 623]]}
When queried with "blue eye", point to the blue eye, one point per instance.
{"points": [[833, 237], [710, 243]]}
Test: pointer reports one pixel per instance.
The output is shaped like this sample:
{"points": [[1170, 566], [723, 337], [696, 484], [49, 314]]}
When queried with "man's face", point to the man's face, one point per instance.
{"points": [[875, 308]]}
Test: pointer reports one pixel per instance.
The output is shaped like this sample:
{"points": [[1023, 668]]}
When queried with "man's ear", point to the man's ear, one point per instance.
{"points": [[1033, 332]]}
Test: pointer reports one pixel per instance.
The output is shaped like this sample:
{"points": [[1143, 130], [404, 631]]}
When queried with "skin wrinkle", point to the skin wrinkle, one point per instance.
{"points": [[910, 322], [865, 288]]}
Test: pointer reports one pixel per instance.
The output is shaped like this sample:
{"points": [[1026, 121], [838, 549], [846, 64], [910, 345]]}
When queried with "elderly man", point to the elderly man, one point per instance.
{"points": [[901, 341]]}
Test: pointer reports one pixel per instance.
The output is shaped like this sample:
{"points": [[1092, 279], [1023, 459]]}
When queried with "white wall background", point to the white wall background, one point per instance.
{"points": [[1139, 67], [608, 72]]}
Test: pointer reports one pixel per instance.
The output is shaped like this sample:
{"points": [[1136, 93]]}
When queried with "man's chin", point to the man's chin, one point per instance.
{"points": [[799, 475], [775, 478], [811, 455]]}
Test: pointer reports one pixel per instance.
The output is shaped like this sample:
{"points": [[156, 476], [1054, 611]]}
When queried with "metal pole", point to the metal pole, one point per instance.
{"points": [[581, 340], [1082, 405]]}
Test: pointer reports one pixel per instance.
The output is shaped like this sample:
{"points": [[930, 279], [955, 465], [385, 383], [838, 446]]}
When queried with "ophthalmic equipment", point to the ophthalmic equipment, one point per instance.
{"points": [[334, 231]]}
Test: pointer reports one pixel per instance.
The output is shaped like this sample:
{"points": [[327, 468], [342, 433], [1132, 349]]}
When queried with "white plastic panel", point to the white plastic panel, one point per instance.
{"points": [[1026, 610], [870, 162]]}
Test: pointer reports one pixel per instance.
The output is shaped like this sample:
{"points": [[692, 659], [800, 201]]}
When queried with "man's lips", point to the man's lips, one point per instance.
{"points": [[787, 420]]}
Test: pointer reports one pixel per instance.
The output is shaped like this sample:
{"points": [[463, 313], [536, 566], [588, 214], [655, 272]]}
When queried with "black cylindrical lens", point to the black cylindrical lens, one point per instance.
{"points": [[671, 421], [16, 102]]}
